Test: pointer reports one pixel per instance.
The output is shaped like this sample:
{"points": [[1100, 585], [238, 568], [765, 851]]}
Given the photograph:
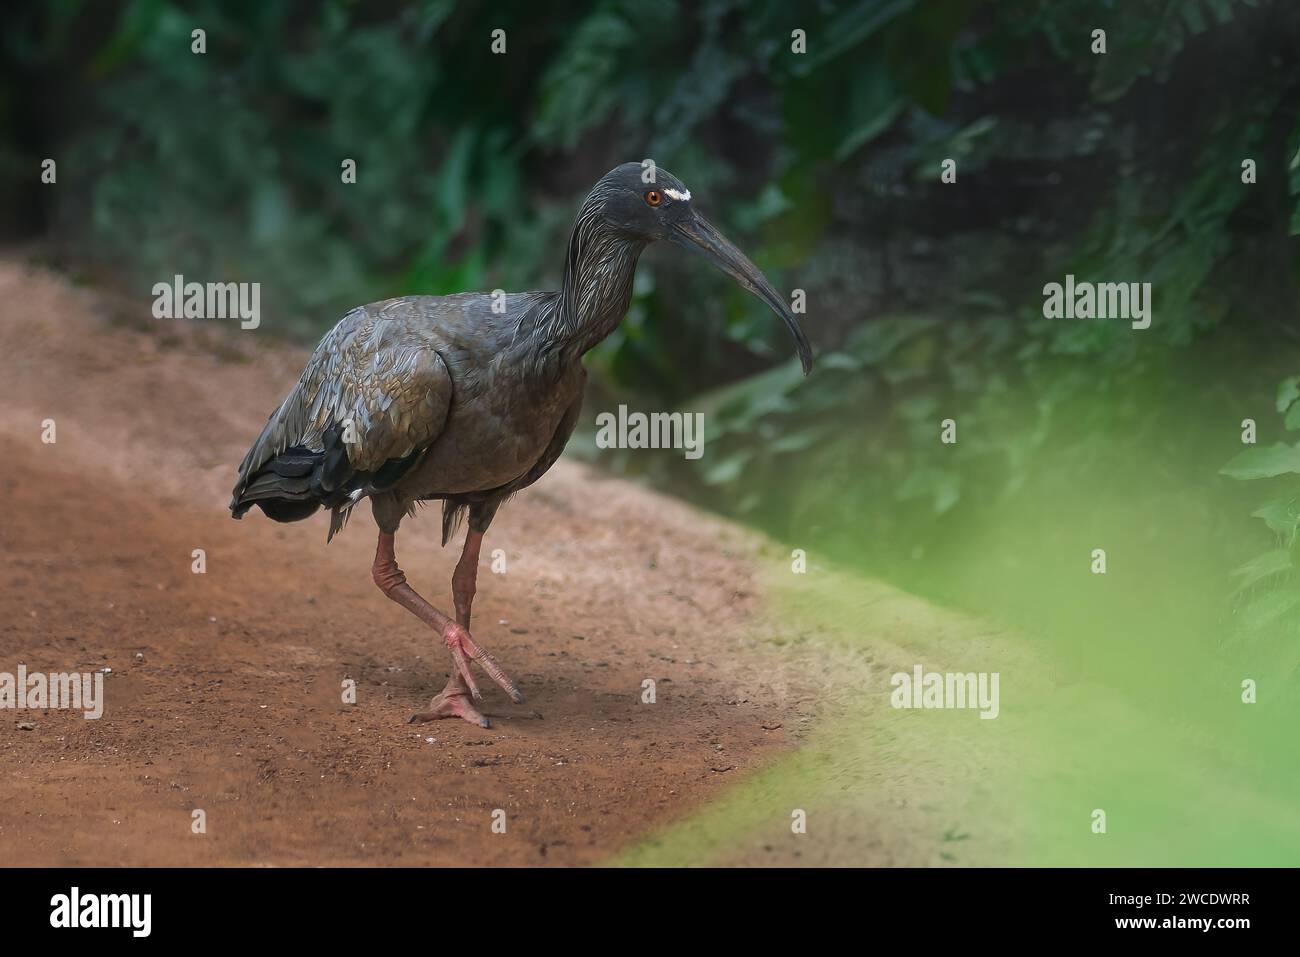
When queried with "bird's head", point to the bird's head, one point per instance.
{"points": [[651, 204]]}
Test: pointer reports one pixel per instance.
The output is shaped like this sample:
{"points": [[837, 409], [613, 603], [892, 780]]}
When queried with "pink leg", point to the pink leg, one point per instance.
{"points": [[464, 581], [455, 698]]}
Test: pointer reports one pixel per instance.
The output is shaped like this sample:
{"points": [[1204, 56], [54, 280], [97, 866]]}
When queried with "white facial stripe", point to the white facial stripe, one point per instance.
{"points": [[674, 194]]}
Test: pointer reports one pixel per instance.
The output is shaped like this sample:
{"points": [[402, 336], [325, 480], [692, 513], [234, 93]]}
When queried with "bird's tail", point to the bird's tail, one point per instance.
{"points": [[288, 490], [285, 488], [292, 485]]}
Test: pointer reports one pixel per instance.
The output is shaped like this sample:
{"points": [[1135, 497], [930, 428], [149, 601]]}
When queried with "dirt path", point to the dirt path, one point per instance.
{"points": [[226, 687], [225, 694]]}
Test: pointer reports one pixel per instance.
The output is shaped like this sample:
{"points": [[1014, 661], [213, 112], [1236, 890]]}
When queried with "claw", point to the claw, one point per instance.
{"points": [[462, 666], [464, 649], [451, 702]]}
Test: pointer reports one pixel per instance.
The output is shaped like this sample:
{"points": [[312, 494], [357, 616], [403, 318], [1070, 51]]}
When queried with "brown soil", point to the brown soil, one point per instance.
{"points": [[226, 687]]}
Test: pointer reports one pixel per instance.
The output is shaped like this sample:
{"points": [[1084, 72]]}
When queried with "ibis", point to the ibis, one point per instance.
{"points": [[468, 398]]}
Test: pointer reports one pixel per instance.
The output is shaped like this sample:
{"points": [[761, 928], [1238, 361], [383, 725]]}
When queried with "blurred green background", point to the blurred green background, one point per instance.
{"points": [[924, 299]]}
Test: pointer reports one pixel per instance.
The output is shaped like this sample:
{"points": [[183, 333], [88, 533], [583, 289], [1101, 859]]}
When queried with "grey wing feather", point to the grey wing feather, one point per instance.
{"points": [[379, 376]]}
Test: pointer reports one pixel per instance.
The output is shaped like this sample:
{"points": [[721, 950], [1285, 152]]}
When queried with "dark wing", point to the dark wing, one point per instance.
{"points": [[374, 395]]}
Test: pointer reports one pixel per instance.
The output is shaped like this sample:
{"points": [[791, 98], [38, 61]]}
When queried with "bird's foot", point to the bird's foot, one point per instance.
{"points": [[464, 650], [452, 702]]}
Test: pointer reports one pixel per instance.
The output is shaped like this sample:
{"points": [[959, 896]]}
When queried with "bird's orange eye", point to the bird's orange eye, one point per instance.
{"points": [[654, 197]]}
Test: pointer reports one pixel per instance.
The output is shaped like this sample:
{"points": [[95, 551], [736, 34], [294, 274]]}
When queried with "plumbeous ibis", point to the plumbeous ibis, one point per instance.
{"points": [[459, 399]]}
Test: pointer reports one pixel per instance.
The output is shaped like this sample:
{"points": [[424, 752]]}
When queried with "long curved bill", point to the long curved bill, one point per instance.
{"points": [[698, 235]]}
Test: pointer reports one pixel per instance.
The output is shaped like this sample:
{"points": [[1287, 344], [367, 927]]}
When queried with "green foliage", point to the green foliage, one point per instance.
{"points": [[1268, 585], [925, 299], [1112, 183]]}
